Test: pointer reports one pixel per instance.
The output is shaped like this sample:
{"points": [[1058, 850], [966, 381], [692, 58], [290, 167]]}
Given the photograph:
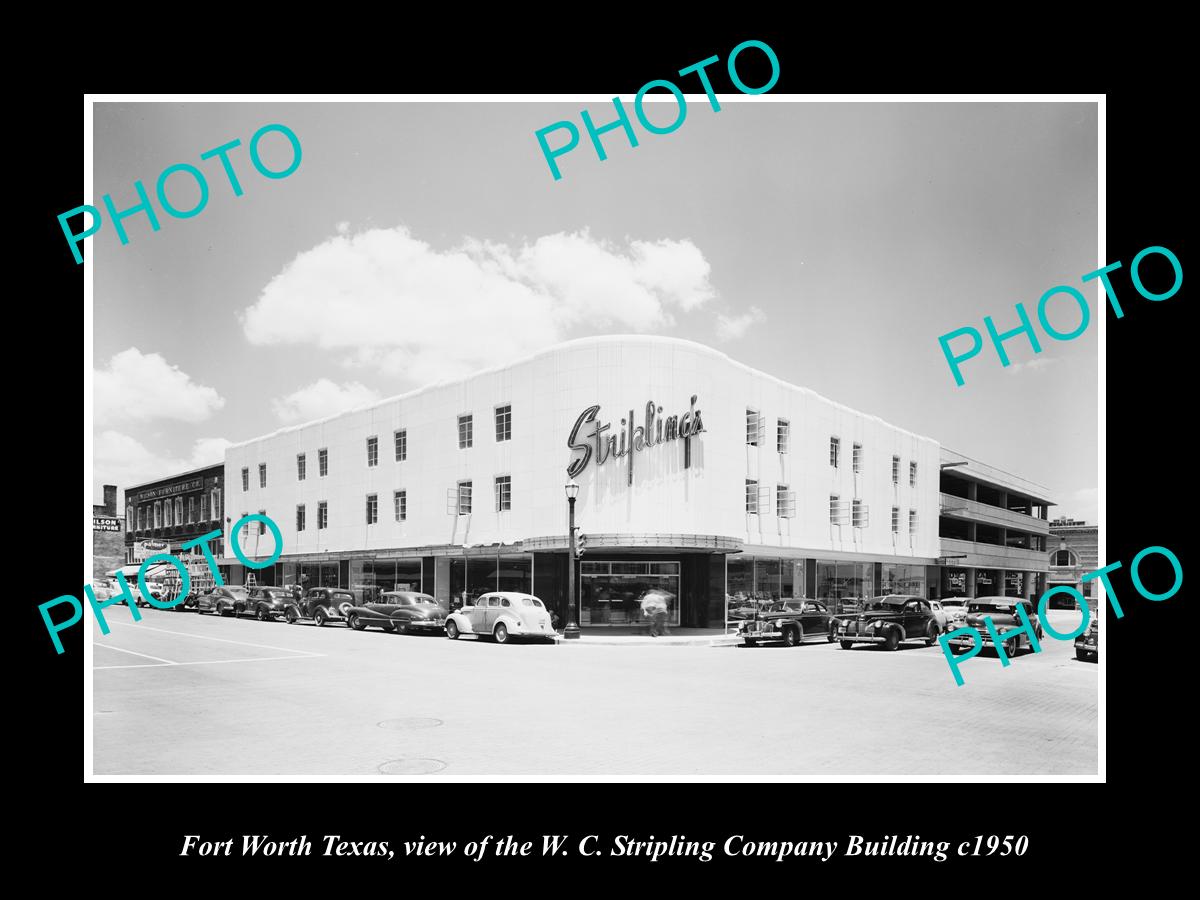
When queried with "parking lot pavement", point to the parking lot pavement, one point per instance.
{"points": [[180, 693]]}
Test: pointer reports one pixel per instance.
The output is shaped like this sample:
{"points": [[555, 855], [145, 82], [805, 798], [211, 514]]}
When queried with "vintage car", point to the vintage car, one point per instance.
{"points": [[956, 612], [1087, 645], [889, 620], [502, 615], [321, 605], [223, 600], [790, 622], [267, 604], [402, 611], [1003, 613], [939, 613]]}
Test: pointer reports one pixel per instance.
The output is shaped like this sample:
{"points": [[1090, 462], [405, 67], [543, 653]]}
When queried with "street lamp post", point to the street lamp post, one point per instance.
{"points": [[571, 632]]}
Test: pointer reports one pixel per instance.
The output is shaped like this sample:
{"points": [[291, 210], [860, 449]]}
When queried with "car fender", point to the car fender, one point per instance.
{"points": [[463, 623]]}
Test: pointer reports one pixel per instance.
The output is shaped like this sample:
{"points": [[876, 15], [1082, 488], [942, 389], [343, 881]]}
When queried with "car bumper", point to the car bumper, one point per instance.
{"points": [[1090, 646], [423, 626]]}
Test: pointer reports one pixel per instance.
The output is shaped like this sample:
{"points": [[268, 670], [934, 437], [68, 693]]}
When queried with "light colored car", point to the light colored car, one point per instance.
{"points": [[502, 615], [939, 613], [955, 609]]}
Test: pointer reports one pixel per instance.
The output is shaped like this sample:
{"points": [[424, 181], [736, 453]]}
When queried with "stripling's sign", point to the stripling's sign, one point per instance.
{"points": [[656, 430]]}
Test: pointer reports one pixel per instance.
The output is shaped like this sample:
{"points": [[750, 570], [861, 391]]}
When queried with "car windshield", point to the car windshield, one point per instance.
{"points": [[989, 608], [953, 603], [401, 601], [885, 603], [425, 600], [343, 596], [238, 592], [531, 601]]}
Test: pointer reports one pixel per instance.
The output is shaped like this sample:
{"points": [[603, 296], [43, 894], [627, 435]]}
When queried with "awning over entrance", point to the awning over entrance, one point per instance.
{"points": [[156, 571]]}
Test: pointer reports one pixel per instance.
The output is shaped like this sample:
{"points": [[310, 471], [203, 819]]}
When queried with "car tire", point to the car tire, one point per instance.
{"points": [[500, 633], [934, 631], [220, 610], [319, 618], [452, 630], [846, 645], [261, 614], [388, 626], [832, 635], [356, 623], [291, 616], [1082, 655], [750, 642], [893, 640], [790, 637]]}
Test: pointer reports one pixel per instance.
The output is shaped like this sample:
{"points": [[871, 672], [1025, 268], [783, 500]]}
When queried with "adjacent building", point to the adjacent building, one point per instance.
{"points": [[108, 535], [165, 514], [698, 477], [1074, 551]]}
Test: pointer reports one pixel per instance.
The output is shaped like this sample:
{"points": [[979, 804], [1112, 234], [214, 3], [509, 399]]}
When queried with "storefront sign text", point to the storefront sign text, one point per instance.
{"points": [[655, 431], [193, 484], [106, 523]]}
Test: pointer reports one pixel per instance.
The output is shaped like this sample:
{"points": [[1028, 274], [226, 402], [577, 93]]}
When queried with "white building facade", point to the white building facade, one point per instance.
{"points": [[699, 477]]}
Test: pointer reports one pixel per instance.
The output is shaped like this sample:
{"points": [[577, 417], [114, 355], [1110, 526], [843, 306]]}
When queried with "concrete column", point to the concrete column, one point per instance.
{"points": [[971, 583]]}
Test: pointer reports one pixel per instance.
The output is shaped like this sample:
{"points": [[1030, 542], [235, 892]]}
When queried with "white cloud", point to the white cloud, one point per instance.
{"points": [[123, 460], [320, 399], [143, 386], [1033, 365], [394, 302], [730, 327]]}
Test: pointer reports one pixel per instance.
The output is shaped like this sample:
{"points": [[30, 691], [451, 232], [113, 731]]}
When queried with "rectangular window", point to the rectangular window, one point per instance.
{"points": [[158, 514], [503, 492], [323, 514], [752, 427], [859, 514], [322, 463], [401, 437], [262, 475], [189, 510], [262, 526], [896, 518], [245, 478], [372, 508], [300, 517], [839, 510], [167, 515], [301, 465], [466, 436], [141, 518], [216, 504], [783, 435], [504, 423], [912, 521], [895, 470], [400, 502], [856, 455], [912, 474], [372, 451], [835, 451], [785, 502], [178, 510], [751, 497], [464, 498]]}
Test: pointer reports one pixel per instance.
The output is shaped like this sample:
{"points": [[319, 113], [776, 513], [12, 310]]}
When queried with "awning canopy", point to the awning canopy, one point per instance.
{"points": [[155, 571]]}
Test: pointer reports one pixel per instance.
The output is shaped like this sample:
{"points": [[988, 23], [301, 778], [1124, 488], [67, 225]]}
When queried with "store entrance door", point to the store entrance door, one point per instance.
{"points": [[612, 593]]}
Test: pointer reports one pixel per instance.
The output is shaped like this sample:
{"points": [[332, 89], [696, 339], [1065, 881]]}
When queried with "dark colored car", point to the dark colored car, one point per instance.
{"points": [[1003, 613], [790, 622], [1087, 645], [264, 603], [402, 611], [223, 600], [889, 620], [321, 605]]}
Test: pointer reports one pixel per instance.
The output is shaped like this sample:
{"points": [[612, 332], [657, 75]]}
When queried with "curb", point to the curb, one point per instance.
{"points": [[729, 640]]}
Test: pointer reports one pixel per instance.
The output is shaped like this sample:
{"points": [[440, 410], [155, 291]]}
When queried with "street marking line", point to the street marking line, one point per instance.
{"points": [[206, 662], [205, 637], [146, 655]]}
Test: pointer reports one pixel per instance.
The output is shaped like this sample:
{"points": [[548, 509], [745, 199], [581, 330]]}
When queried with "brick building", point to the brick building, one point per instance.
{"points": [[108, 535]]}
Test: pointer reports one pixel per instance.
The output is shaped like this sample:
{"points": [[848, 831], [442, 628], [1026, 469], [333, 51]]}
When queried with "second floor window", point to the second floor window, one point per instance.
{"points": [[912, 474], [262, 475], [401, 437], [504, 423], [856, 458], [322, 515], [751, 497], [503, 492], [752, 421], [372, 508], [785, 502], [464, 498], [912, 521], [301, 465], [372, 451], [783, 435], [859, 514], [835, 451], [895, 470], [895, 520], [400, 502], [300, 517], [322, 463], [246, 478], [466, 436]]}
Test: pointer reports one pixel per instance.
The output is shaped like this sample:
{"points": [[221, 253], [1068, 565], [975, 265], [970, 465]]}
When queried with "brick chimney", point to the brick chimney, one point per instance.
{"points": [[110, 499]]}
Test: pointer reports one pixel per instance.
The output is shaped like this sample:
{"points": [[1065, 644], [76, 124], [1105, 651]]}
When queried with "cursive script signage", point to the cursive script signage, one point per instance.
{"points": [[605, 441]]}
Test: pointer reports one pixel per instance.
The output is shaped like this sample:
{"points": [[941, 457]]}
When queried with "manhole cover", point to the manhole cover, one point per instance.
{"points": [[416, 722], [412, 767]]}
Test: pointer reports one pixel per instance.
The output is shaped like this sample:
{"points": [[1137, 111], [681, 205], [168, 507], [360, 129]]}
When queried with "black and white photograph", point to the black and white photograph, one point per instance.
{"points": [[634, 439]]}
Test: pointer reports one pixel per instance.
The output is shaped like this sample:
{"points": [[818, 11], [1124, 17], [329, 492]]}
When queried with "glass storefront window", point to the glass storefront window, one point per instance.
{"points": [[1014, 584], [755, 581], [987, 583], [901, 579], [954, 582], [843, 586], [623, 593]]}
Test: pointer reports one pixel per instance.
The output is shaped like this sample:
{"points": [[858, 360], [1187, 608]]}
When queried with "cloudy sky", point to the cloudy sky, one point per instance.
{"points": [[827, 244]]}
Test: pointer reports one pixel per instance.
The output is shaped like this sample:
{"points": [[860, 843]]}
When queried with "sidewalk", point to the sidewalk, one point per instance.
{"points": [[628, 636]]}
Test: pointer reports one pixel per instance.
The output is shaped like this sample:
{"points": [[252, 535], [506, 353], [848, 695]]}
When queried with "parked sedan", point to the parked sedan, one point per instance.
{"points": [[956, 612], [790, 622], [888, 621], [1087, 645], [402, 611], [223, 600], [1003, 613], [322, 605], [501, 615], [264, 603]]}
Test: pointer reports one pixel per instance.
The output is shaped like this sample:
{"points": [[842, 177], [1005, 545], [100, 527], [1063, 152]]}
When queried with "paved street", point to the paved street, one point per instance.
{"points": [[184, 694]]}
